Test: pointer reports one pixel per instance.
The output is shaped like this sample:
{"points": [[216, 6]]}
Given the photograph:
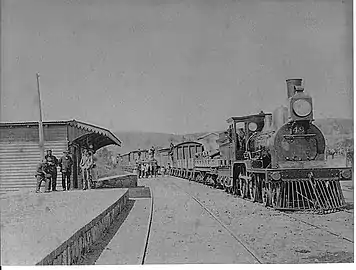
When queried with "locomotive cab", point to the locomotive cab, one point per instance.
{"points": [[240, 130]]}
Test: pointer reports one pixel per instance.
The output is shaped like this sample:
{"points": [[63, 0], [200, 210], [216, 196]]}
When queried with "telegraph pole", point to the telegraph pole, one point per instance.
{"points": [[40, 123]]}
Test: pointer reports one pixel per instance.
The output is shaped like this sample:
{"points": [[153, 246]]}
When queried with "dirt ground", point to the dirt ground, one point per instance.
{"points": [[182, 232], [275, 237]]}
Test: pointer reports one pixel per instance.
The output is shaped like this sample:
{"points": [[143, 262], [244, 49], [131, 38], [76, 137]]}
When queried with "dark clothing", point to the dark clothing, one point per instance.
{"points": [[42, 169], [66, 178], [53, 163], [65, 163], [43, 174], [41, 179], [154, 168], [54, 180]]}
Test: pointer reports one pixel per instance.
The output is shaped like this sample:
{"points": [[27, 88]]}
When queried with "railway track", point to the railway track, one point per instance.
{"points": [[144, 252], [241, 242], [318, 227], [330, 232], [225, 227]]}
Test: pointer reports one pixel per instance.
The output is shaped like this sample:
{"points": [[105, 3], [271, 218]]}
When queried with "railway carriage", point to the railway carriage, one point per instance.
{"points": [[138, 155], [163, 157], [182, 156]]}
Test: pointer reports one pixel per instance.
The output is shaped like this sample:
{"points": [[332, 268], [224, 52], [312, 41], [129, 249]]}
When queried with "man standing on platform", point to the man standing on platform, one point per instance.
{"points": [[84, 162], [91, 165], [66, 163], [52, 162], [43, 174]]}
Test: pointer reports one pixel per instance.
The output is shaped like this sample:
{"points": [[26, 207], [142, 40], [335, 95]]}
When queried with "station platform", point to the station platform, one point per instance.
{"points": [[57, 227], [127, 246]]}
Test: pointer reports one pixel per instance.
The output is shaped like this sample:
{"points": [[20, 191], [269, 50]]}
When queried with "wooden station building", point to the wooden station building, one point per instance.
{"points": [[20, 152]]}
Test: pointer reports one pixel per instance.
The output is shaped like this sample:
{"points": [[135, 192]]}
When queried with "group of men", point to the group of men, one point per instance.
{"points": [[47, 171], [150, 169], [145, 170]]}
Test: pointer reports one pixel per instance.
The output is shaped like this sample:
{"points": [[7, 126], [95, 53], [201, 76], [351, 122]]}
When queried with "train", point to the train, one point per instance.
{"points": [[277, 159]]}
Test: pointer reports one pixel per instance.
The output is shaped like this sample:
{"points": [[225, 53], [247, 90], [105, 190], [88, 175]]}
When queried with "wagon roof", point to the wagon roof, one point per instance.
{"points": [[189, 142]]}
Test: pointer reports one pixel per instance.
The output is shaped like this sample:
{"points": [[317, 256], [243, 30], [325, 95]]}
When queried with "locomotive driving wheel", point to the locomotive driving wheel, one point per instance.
{"points": [[227, 185], [266, 195], [200, 178], [208, 180], [243, 183], [253, 188], [275, 194], [239, 190]]}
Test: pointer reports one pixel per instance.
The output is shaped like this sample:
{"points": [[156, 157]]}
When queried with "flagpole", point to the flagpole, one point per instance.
{"points": [[40, 123]]}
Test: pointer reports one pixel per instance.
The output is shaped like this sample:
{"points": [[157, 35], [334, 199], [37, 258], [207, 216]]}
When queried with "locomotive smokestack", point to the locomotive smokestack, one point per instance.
{"points": [[290, 86]]}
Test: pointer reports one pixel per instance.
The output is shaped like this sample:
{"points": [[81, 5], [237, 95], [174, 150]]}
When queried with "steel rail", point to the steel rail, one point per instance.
{"points": [[244, 245], [317, 227], [283, 213], [148, 232]]}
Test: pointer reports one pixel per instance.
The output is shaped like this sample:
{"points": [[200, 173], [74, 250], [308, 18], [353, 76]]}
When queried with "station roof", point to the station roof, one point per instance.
{"points": [[98, 135], [101, 135]]}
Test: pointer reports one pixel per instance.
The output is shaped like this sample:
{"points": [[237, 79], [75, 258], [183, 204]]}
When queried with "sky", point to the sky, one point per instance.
{"points": [[172, 66]]}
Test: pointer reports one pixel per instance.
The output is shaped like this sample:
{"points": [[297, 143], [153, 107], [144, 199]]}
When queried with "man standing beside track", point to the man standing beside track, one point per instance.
{"points": [[52, 162], [154, 167], [139, 169]]}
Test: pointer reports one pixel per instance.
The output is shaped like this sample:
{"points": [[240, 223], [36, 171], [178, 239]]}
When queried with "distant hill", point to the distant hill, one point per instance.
{"points": [[335, 126], [338, 131], [145, 140]]}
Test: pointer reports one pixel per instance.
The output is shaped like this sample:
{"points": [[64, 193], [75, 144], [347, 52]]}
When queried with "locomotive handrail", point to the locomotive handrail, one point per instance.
{"points": [[298, 135]]}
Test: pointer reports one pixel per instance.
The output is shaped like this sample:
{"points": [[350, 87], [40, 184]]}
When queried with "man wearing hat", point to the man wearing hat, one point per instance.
{"points": [[52, 163], [65, 164]]}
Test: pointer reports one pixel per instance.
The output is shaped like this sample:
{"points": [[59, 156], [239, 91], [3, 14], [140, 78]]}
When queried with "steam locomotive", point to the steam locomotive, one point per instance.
{"points": [[276, 159]]}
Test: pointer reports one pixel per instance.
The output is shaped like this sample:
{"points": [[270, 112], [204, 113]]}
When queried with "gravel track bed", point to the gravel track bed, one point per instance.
{"points": [[182, 232], [275, 237]]}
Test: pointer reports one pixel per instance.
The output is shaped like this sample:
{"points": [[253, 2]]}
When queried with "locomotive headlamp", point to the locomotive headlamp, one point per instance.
{"points": [[252, 126], [302, 107], [346, 174], [276, 176]]}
